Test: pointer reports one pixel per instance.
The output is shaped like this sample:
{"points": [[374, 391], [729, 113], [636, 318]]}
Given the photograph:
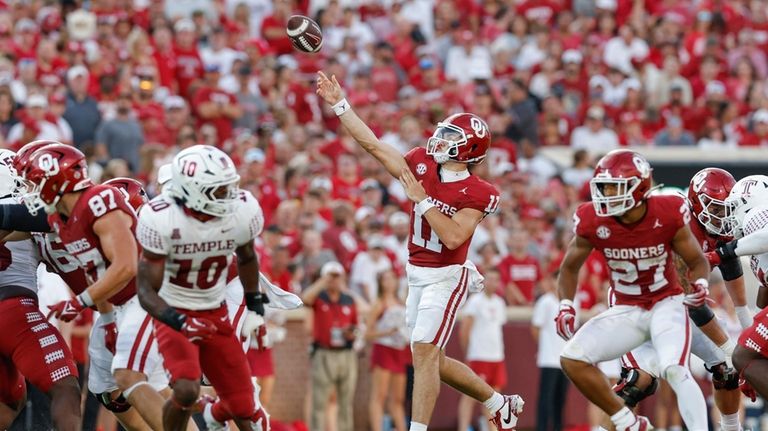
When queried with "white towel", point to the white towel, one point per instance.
{"points": [[475, 279], [279, 298]]}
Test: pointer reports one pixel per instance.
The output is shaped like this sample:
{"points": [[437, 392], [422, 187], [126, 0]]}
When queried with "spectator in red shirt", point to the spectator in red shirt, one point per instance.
{"points": [[520, 271], [346, 182], [340, 236], [334, 362], [273, 27], [165, 57], [759, 135], [189, 66], [215, 106]]}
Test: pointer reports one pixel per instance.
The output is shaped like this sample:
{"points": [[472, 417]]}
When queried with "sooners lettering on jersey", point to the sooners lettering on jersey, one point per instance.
{"points": [[57, 260], [424, 247], [197, 254], [638, 256], [79, 240]]}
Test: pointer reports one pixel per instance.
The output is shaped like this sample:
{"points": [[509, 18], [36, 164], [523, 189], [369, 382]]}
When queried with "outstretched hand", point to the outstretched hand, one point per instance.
{"points": [[329, 89]]}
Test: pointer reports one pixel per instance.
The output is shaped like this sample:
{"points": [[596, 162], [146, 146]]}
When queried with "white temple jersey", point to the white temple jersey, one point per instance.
{"points": [[197, 254]]}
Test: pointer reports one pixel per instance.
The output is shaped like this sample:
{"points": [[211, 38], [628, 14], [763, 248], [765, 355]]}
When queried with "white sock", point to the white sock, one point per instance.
{"points": [[675, 428], [494, 403], [744, 315], [415, 426], [730, 422], [690, 400], [623, 419]]}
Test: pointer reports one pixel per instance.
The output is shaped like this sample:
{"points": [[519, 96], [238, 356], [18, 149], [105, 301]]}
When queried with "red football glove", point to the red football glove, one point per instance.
{"points": [[713, 258], [566, 319], [198, 329], [110, 336], [698, 295], [66, 311], [747, 389]]}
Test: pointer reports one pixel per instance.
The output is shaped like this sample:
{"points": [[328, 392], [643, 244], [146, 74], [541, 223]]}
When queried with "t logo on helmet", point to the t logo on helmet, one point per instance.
{"points": [[49, 164]]}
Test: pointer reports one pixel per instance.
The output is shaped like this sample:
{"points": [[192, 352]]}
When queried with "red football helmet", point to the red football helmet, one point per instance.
{"points": [[622, 181], [707, 193], [132, 190], [461, 138], [25, 153], [51, 172]]}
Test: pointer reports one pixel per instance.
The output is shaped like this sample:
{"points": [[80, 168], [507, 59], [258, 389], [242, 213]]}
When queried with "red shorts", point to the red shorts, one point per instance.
{"points": [[388, 358], [756, 336], [494, 373], [221, 358], [261, 362], [13, 390], [35, 347]]}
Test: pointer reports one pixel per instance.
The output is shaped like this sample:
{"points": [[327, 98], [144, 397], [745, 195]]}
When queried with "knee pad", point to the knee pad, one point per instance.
{"points": [[675, 374], [574, 351], [724, 378], [627, 388], [118, 405]]}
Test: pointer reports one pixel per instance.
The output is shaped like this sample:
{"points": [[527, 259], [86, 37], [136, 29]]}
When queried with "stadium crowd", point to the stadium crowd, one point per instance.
{"points": [[130, 83]]}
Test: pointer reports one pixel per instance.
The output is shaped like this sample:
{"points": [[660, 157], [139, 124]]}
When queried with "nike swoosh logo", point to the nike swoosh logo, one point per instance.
{"points": [[226, 230]]}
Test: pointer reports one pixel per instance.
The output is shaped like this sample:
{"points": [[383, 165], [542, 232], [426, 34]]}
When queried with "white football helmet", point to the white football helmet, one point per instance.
{"points": [[746, 194], [205, 179], [9, 181]]}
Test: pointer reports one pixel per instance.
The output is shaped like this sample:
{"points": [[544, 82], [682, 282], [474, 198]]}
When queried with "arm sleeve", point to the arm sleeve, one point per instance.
{"points": [[754, 243], [252, 217], [15, 217]]}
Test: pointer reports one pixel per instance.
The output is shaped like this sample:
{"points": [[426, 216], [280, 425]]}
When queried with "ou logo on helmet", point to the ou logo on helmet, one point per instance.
{"points": [[478, 126], [642, 165], [48, 164], [698, 181]]}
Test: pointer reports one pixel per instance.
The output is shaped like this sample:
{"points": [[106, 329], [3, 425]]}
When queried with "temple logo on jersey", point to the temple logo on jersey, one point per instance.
{"points": [[78, 246], [176, 234], [204, 247], [421, 168], [603, 232], [443, 207], [634, 253]]}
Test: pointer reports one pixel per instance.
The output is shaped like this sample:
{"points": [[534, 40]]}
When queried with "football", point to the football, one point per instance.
{"points": [[305, 34]]}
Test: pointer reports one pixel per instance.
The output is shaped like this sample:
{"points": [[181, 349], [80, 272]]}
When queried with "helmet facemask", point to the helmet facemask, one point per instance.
{"points": [[714, 215], [215, 199], [445, 142], [614, 204]]}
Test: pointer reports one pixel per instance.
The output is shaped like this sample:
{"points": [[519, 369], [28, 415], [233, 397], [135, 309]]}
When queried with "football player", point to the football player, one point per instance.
{"points": [[747, 218], [448, 204], [31, 348], [189, 235], [707, 194], [637, 233], [96, 226]]}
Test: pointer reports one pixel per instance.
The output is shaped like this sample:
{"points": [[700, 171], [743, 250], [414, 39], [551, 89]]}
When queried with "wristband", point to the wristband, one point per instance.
{"points": [[702, 282], [341, 107], [108, 317], [424, 206], [85, 299], [566, 303], [255, 301], [172, 318]]}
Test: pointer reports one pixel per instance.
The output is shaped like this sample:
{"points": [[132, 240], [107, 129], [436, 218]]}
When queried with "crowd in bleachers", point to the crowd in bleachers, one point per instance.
{"points": [[130, 82]]}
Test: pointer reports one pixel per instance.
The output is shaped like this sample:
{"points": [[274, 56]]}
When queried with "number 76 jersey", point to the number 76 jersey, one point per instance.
{"points": [[197, 254], [424, 246], [639, 256]]}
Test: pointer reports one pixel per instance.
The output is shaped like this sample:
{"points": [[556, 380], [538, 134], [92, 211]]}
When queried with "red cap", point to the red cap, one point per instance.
{"points": [[531, 212]]}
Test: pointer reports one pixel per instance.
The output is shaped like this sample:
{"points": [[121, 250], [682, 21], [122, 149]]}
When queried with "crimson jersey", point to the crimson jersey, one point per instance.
{"points": [[425, 248], [76, 233], [639, 256], [58, 260], [705, 240]]}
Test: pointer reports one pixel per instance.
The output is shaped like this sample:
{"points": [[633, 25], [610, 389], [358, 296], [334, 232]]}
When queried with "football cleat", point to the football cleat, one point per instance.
{"points": [[506, 417], [211, 423]]}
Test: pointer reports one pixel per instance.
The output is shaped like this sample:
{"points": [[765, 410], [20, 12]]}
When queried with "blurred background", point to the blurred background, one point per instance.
{"points": [[560, 82]]}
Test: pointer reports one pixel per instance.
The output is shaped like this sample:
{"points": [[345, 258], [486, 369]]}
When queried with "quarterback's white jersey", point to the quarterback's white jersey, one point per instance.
{"points": [[18, 261], [197, 254]]}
